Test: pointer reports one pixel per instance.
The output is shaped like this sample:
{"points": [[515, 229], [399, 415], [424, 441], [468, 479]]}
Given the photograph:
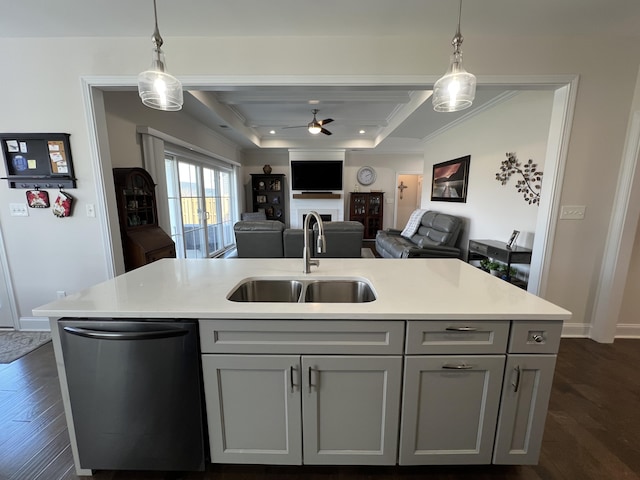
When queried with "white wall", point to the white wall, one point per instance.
{"points": [[48, 254], [124, 112], [493, 211]]}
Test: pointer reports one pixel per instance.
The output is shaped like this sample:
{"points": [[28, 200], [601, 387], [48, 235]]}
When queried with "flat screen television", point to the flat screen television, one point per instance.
{"points": [[316, 175]]}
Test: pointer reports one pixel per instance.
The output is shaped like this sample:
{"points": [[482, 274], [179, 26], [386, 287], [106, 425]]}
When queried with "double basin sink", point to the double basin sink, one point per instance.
{"points": [[303, 291]]}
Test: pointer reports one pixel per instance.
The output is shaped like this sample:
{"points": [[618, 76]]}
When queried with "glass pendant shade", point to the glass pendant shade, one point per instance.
{"points": [[157, 88], [456, 90]]}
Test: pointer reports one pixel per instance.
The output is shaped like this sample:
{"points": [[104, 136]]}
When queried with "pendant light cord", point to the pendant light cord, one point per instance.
{"points": [[457, 38], [156, 38]]}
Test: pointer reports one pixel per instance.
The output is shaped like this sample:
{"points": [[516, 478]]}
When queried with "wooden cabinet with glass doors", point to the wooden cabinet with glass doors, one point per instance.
{"points": [[143, 241], [367, 208]]}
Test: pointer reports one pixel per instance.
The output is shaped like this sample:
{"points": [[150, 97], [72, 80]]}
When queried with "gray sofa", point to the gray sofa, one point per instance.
{"points": [[269, 239], [436, 237], [259, 238]]}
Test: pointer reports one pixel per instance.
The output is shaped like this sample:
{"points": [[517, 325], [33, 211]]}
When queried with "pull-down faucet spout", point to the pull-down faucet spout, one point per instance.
{"points": [[320, 245]]}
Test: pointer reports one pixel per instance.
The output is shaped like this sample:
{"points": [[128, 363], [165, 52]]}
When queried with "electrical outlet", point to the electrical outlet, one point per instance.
{"points": [[18, 210], [572, 212]]}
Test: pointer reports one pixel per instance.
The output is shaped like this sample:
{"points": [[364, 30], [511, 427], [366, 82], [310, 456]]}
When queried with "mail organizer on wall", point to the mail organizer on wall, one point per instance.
{"points": [[38, 160]]}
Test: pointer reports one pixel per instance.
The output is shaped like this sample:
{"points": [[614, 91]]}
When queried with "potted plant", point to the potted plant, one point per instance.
{"points": [[505, 272], [494, 268], [484, 264]]}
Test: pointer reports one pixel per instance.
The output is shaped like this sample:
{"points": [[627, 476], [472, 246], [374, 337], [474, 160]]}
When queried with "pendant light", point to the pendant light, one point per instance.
{"points": [[157, 88], [457, 88]]}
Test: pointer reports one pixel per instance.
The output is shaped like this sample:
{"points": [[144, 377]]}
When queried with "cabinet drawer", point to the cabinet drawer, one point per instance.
{"points": [[302, 336], [455, 337], [535, 337]]}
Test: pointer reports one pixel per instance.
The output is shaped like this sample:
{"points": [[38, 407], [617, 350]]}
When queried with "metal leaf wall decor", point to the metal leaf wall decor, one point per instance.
{"points": [[531, 181]]}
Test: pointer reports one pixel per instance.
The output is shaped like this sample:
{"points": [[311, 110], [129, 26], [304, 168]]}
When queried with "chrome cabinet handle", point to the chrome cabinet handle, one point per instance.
{"points": [[461, 329], [516, 384], [538, 338], [457, 366], [293, 385], [311, 385]]}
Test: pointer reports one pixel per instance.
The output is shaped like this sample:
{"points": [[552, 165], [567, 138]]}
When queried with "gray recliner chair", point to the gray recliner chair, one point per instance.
{"points": [[259, 239], [435, 236]]}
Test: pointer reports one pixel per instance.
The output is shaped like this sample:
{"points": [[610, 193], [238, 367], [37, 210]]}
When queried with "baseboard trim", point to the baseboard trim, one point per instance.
{"points": [[34, 324], [627, 330], [576, 330]]}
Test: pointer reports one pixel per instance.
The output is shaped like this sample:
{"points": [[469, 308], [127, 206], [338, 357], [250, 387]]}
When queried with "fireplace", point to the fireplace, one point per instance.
{"points": [[326, 217]]}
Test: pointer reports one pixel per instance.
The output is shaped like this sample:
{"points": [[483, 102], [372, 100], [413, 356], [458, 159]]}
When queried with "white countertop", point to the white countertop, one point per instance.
{"points": [[405, 289]]}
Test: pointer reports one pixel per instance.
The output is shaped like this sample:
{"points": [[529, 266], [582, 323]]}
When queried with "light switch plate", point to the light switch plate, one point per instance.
{"points": [[18, 209], [572, 212]]}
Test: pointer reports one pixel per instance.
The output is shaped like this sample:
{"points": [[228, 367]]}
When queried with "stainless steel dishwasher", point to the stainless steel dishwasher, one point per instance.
{"points": [[134, 389]]}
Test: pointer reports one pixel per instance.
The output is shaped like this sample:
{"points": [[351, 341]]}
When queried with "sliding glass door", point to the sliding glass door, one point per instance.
{"points": [[201, 206]]}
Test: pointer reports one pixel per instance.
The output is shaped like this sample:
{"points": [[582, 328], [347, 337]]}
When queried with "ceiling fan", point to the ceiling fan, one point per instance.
{"points": [[316, 126]]}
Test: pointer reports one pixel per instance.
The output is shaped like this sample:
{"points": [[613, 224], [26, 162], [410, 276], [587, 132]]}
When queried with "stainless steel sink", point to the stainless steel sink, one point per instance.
{"points": [[310, 291], [339, 291], [267, 291]]}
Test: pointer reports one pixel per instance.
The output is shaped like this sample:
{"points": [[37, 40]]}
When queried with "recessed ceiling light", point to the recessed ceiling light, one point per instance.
{"points": [[272, 132], [314, 102], [362, 132]]}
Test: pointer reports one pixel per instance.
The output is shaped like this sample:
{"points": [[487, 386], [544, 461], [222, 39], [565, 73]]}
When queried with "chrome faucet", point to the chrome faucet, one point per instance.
{"points": [[321, 245]]}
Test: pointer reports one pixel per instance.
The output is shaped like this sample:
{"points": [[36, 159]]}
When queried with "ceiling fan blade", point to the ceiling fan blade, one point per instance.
{"points": [[325, 121], [325, 131], [296, 126]]}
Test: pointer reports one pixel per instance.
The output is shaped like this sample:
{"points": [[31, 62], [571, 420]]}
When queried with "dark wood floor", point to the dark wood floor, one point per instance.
{"points": [[592, 430]]}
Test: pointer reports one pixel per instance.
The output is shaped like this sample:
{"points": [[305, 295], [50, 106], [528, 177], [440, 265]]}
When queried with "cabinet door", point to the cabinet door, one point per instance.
{"points": [[450, 407], [351, 407], [253, 408], [525, 397]]}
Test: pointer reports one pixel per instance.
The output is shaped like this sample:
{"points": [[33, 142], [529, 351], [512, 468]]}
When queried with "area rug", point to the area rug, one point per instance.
{"points": [[14, 345]]}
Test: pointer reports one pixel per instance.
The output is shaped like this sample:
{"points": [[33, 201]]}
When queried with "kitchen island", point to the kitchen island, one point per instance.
{"points": [[448, 365]]}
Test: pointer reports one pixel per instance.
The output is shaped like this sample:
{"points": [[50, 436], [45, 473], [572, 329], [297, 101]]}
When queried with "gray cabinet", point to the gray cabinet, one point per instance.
{"points": [[523, 409], [263, 407], [253, 408], [329, 391], [351, 409], [449, 409]]}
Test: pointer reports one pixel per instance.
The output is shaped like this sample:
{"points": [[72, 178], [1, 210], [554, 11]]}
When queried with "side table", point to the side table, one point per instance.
{"points": [[479, 249]]}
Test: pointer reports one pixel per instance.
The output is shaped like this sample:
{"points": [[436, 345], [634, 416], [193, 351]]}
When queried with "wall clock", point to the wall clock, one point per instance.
{"points": [[366, 176]]}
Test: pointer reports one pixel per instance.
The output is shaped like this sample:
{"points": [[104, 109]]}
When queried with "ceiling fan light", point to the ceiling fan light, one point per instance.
{"points": [[314, 128]]}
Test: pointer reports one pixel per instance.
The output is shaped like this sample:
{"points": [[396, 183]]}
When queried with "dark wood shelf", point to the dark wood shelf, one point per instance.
{"points": [[317, 195], [268, 195]]}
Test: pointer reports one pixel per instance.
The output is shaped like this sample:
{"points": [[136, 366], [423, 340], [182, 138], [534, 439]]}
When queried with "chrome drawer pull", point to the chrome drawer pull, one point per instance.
{"points": [[293, 385], [461, 329], [516, 384], [459, 366]]}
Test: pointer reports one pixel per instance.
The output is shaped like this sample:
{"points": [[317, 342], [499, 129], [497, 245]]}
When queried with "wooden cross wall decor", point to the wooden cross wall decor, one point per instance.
{"points": [[401, 187]]}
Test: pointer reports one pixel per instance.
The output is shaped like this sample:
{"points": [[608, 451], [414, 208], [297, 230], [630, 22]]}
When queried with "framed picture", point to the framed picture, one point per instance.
{"points": [[261, 198], [450, 180], [512, 239]]}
